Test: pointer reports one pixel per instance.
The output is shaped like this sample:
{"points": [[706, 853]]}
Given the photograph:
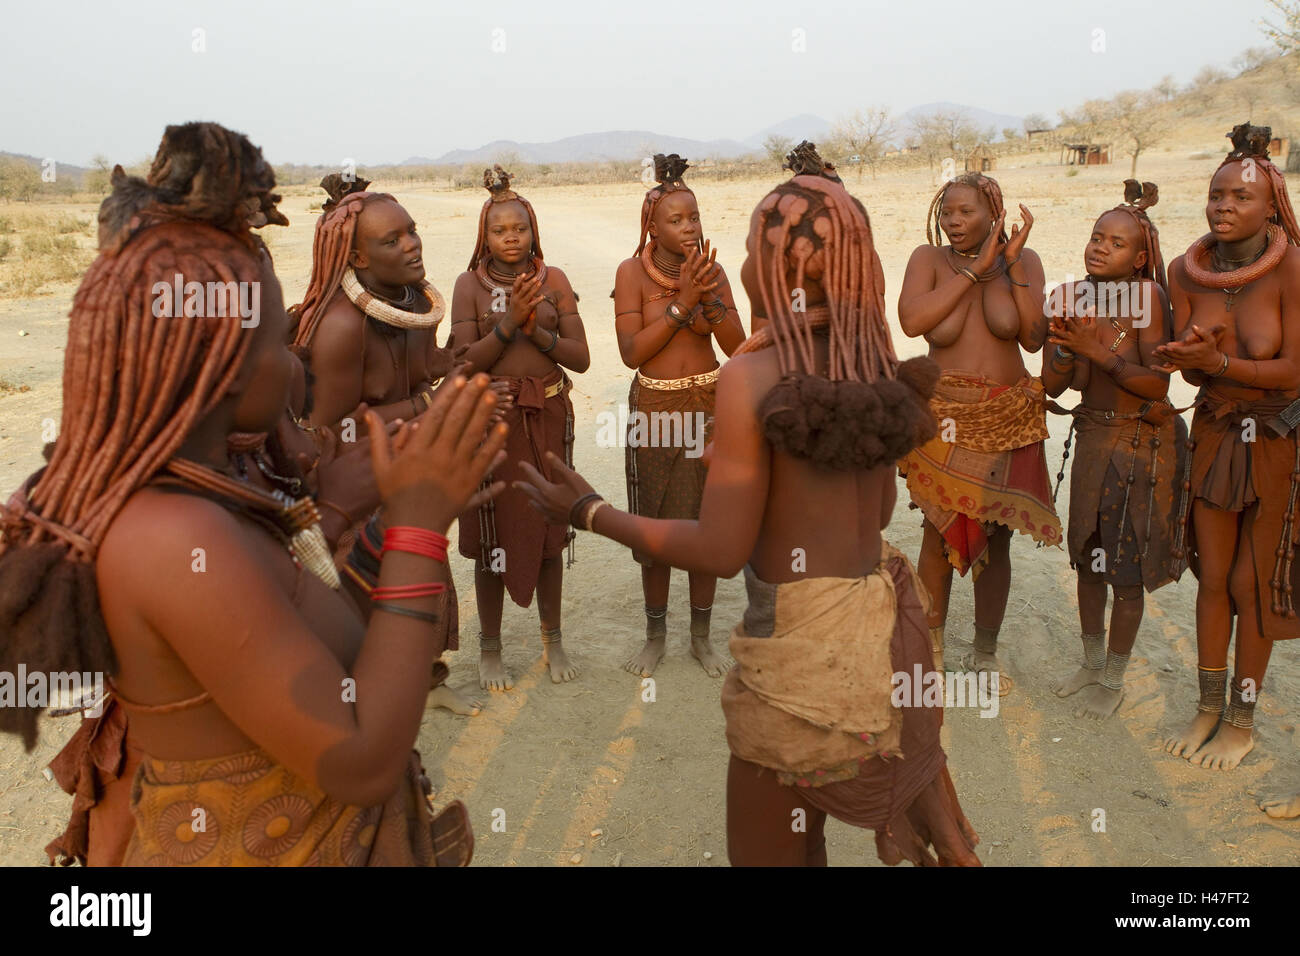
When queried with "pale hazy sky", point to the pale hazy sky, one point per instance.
{"points": [[382, 81]]}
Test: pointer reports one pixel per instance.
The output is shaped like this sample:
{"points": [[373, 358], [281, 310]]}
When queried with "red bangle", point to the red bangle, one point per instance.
{"points": [[397, 592], [421, 541]]}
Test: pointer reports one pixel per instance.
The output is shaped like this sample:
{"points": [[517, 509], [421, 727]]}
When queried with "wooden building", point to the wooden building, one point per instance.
{"points": [[1085, 154], [981, 159]]}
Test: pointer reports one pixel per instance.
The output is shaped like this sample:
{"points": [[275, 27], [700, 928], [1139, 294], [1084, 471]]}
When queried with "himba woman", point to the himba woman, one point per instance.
{"points": [[812, 412], [1102, 341], [671, 299], [277, 727], [1236, 301], [516, 318], [368, 324], [978, 301]]}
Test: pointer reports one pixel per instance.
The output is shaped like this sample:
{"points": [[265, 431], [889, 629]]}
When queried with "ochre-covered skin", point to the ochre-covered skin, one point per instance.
{"points": [[663, 482], [978, 320], [1235, 528], [251, 653], [1128, 445], [787, 517], [510, 288], [357, 360]]}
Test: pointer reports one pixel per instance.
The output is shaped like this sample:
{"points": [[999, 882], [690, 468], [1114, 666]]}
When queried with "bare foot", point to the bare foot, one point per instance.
{"points": [[648, 658], [454, 701], [1225, 749], [492, 673], [1099, 702], [1281, 808], [1065, 686], [702, 650], [1185, 743], [981, 662], [555, 658]]}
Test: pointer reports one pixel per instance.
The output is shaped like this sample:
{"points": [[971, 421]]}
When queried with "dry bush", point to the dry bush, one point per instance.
{"points": [[46, 249]]}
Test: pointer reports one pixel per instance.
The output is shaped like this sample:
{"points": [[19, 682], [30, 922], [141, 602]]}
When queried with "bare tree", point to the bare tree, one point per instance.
{"points": [[1167, 87], [864, 133], [1091, 121], [1252, 59], [1139, 123], [1205, 85], [1285, 30], [97, 176], [777, 147], [1249, 92], [949, 133], [1036, 121]]}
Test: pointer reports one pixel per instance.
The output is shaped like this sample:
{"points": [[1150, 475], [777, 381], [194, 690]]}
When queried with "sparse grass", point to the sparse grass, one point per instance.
{"points": [[47, 246], [7, 387]]}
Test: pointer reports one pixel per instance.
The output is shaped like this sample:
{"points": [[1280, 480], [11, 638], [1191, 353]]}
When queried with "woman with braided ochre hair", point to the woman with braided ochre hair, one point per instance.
{"points": [[978, 301], [671, 298], [369, 317], [516, 317], [210, 603], [812, 413], [368, 324], [1128, 442], [1236, 301]]}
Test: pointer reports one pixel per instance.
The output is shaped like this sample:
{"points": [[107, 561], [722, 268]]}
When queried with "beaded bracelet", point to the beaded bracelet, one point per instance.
{"points": [[402, 591], [590, 518], [575, 508], [421, 541], [427, 616]]}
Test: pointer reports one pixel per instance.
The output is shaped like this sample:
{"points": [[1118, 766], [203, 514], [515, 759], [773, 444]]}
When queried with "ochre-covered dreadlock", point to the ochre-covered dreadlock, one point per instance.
{"points": [[1250, 148], [1138, 198], [984, 185], [202, 171], [668, 174], [336, 186], [1251, 143], [867, 408], [497, 182], [336, 231], [134, 386]]}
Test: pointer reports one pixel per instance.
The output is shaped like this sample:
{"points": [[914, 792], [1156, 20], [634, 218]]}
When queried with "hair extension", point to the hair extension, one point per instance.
{"points": [[134, 386], [1138, 198], [984, 185], [202, 171], [1250, 143], [668, 174], [336, 232], [497, 182], [337, 187], [868, 408]]}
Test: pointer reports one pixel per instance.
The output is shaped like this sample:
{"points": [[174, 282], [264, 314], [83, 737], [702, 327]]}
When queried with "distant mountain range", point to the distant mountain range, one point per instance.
{"points": [[634, 144], [983, 119]]}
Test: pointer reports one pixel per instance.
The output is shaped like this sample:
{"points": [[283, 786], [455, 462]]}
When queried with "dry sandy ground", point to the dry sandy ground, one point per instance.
{"points": [[565, 761]]}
